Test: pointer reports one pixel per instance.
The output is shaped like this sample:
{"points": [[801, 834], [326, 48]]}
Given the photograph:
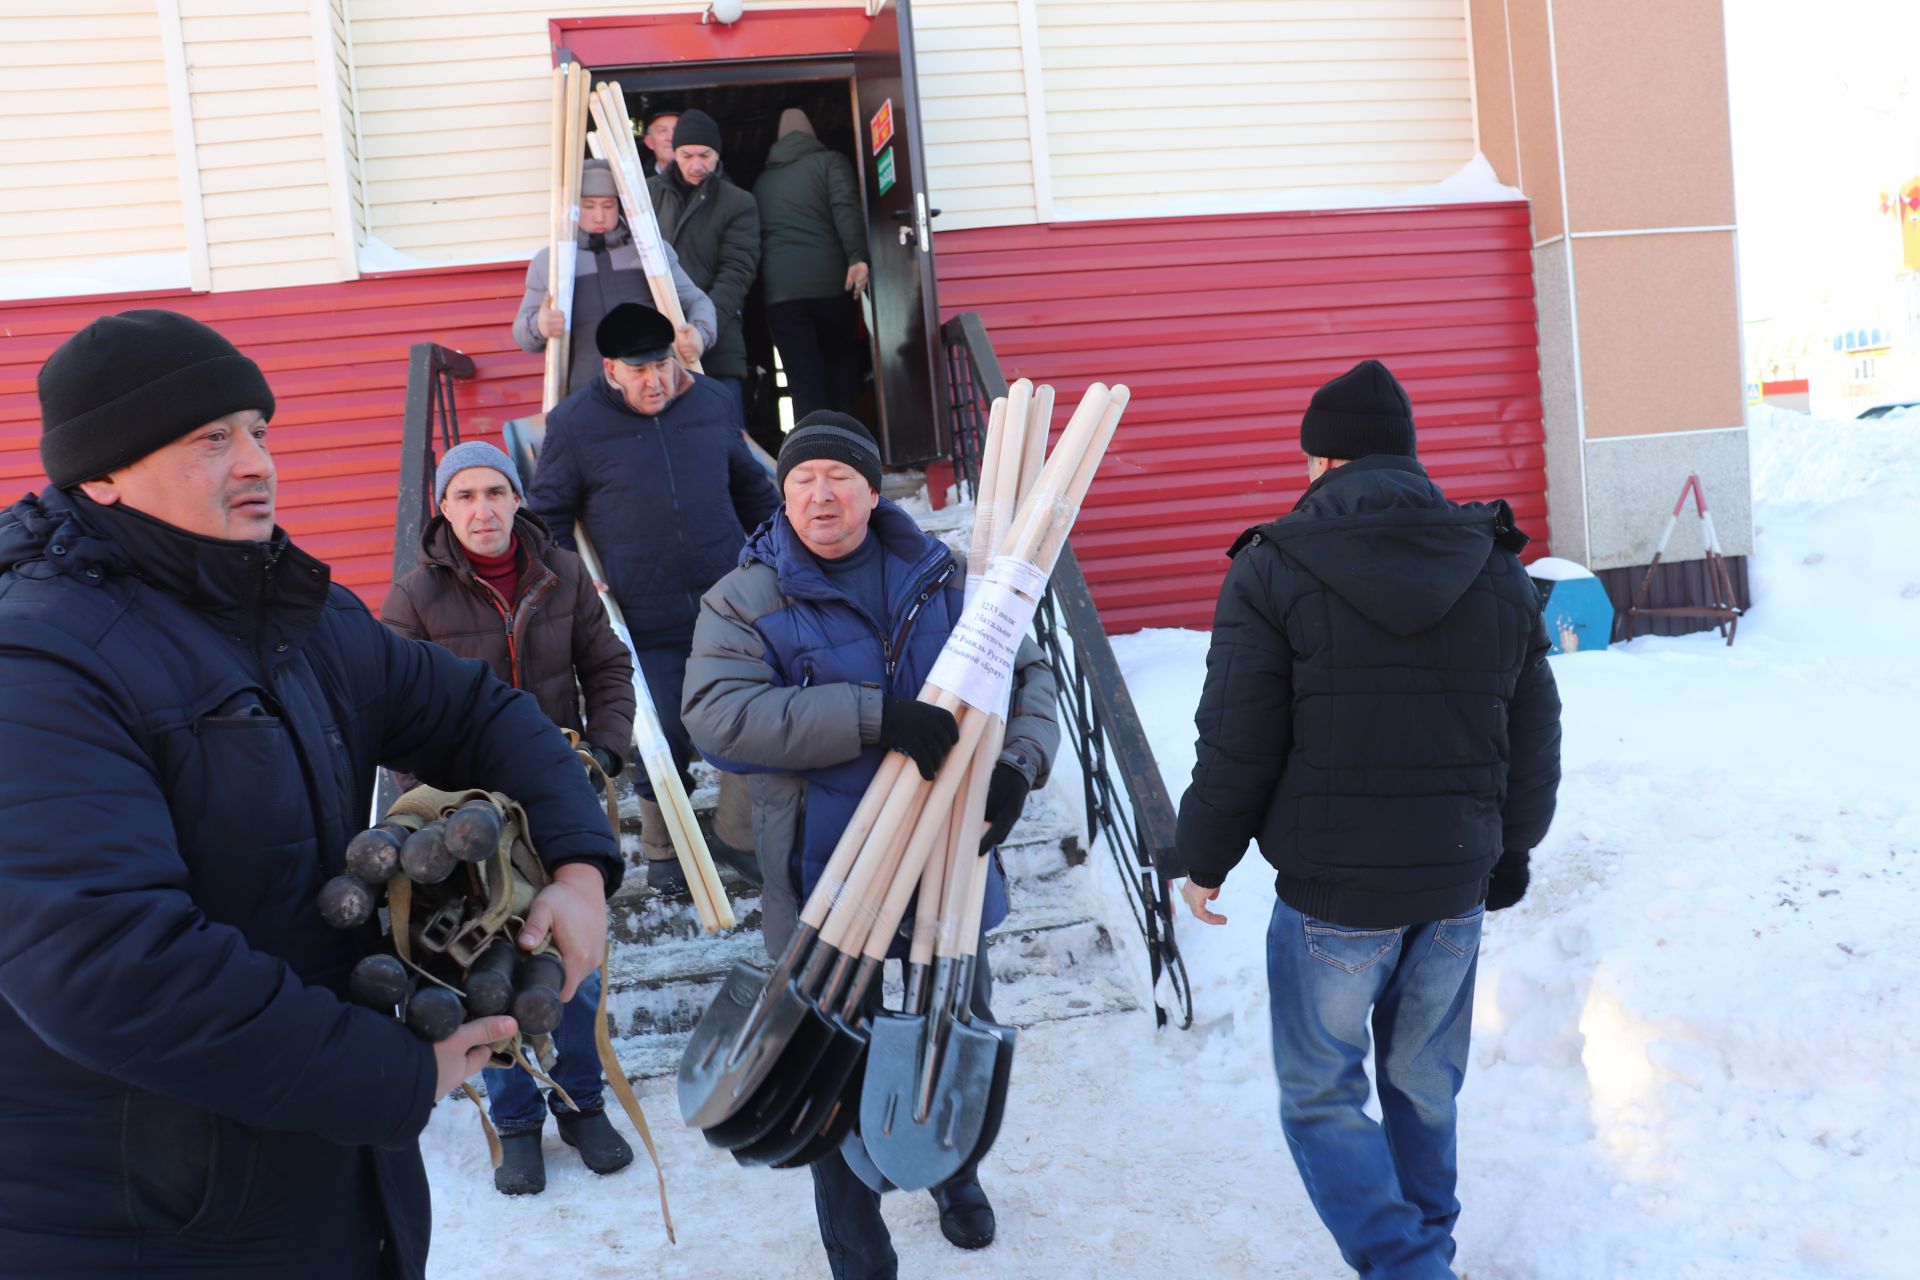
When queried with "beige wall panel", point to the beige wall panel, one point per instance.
{"points": [[1560, 403], [1643, 91], [1659, 333], [1493, 88], [1632, 484], [1535, 109], [287, 275], [57, 119]]}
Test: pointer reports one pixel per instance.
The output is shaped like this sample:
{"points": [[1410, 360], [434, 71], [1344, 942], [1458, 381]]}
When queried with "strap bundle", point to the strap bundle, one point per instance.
{"points": [[459, 873]]}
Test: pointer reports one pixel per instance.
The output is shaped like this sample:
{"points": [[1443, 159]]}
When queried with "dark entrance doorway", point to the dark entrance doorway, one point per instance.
{"points": [[853, 77]]}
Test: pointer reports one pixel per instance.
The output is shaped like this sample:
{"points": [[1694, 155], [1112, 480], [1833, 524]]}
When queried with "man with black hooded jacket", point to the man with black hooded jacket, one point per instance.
{"points": [[1378, 712], [190, 719]]}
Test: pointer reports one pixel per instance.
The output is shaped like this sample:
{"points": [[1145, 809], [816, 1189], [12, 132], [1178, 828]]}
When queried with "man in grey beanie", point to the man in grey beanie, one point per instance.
{"points": [[491, 584], [191, 716], [607, 272]]}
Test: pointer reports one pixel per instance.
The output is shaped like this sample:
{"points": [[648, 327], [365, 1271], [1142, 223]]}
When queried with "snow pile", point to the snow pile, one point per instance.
{"points": [[1694, 1042]]}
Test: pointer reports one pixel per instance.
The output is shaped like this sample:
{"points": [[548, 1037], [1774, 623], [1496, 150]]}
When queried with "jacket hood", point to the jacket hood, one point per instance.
{"points": [[61, 533], [1383, 537], [792, 147]]}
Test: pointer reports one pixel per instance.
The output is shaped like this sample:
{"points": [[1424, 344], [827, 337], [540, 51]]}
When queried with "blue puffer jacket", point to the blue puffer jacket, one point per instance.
{"points": [[188, 735], [785, 683], [667, 500]]}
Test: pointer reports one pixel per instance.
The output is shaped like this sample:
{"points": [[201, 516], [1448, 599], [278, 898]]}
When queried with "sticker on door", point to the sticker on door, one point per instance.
{"points": [[886, 171], [881, 126]]}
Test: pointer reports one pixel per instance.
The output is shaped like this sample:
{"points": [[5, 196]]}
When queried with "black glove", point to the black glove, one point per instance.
{"points": [[608, 761], [918, 730], [1509, 882], [1006, 797]]}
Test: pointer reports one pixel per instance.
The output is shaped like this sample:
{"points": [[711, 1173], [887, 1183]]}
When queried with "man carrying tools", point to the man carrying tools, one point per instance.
{"points": [[1380, 715], [190, 721], [715, 227], [806, 662], [646, 456], [607, 272], [492, 585]]}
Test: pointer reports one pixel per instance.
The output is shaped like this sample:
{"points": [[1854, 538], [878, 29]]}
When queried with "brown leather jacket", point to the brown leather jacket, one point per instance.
{"points": [[556, 631]]}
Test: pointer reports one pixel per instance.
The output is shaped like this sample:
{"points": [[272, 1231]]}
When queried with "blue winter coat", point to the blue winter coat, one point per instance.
{"points": [[188, 735], [667, 500], [786, 679]]}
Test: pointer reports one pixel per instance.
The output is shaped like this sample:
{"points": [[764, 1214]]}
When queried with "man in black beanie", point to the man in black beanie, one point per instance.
{"points": [[1379, 714], [715, 228], [807, 660], [191, 716]]}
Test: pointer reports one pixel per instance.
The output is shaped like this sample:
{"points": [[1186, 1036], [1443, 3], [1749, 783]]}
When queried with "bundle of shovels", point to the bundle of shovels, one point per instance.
{"points": [[451, 876], [572, 93], [785, 1067]]}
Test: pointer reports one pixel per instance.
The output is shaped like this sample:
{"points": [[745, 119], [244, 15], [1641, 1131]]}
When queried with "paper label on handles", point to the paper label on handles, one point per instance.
{"points": [[977, 663]]}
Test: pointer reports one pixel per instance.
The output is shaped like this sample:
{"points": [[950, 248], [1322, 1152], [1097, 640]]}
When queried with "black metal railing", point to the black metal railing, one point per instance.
{"points": [[431, 370], [1128, 809]]}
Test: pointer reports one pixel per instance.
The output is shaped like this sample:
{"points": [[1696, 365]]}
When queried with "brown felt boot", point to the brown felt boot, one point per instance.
{"points": [[663, 864], [732, 843]]}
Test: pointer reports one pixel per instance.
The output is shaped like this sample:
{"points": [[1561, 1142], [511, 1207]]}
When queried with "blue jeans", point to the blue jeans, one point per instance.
{"points": [[1385, 1191], [513, 1096], [666, 672]]}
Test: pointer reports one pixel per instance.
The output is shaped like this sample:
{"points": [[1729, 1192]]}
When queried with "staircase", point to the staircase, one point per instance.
{"points": [[1052, 958]]}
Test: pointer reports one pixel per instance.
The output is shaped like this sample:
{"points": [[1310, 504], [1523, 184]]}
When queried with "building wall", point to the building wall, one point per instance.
{"points": [[87, 156], [1223, 328], [1154, 108], [1635, 249]]}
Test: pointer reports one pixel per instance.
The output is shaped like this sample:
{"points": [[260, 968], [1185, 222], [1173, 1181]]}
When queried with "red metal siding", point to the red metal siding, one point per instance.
{"points": [[336, 356], [1223, 327]]}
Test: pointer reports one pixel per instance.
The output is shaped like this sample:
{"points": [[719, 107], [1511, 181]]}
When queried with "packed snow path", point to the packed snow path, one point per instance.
{"points": [[1694, 1041]]}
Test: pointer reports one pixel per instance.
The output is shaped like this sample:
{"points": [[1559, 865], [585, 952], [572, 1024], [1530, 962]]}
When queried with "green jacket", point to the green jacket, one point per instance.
{"points": [[811, 227], [715, 228]]}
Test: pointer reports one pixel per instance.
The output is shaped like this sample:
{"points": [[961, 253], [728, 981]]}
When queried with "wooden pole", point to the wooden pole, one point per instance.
{"points": [[554, 387], [616, 139]]}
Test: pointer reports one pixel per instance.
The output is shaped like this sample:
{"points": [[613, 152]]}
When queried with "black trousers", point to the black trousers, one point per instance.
{"points": [[819, 341], [666, 672], [851, 1228]]}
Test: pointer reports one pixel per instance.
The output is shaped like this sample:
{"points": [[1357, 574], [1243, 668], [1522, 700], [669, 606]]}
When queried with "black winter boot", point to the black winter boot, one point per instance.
{"points": [[966, 1219], [601, 1147], [523, 1170]]}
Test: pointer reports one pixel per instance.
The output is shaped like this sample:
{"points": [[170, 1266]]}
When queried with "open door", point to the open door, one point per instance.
{"points": [[908, 368]]}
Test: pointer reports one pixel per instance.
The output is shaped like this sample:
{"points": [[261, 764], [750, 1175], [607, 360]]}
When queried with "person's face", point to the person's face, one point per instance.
{"points": [[828, 505], [647, 387], [480, 503], [659, 138], [598, 214], [216, 481], [696, 163]]}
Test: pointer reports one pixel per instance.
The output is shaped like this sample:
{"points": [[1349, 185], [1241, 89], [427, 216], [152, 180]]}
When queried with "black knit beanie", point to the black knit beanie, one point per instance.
{"points": [[696, 129], [1363, 411], [132, 383], [834, 436]]}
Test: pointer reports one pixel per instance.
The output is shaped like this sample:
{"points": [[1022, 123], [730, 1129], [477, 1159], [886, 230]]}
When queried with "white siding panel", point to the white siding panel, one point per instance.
{"points": [[1315, 101], [81, 184]]}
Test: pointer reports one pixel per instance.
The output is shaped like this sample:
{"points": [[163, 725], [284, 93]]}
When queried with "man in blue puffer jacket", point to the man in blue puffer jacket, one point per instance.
{"points": [[648, 459], [805, 666], [190, 719]]}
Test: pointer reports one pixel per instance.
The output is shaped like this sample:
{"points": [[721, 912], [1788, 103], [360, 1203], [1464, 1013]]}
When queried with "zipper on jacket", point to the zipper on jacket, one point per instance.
{"points": [[891, 650]]}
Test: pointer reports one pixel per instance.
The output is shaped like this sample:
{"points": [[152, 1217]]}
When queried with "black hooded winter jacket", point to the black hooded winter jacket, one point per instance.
{"points": [[1378, 709], [188, 734]]}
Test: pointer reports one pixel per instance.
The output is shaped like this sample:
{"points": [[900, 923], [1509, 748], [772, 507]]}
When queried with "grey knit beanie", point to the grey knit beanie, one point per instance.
{"points": [[473, 453]]}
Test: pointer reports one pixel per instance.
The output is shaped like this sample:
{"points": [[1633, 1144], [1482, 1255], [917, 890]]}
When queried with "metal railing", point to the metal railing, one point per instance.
{"points": [[1128, 808], [431, 370]]}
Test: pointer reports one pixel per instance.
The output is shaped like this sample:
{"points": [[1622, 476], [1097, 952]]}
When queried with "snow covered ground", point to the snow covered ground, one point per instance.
{"points": [[1694, 1041]]}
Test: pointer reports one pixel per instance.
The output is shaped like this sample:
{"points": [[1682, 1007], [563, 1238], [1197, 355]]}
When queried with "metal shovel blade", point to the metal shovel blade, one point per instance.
{"points": [[718, 1073], [853, 1149], [837, 1130], [917, 1154], [811, 1109], [997, 1096], [774, 1100]]}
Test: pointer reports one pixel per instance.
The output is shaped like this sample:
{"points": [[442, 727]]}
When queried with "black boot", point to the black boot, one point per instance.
{"points": [[601, 1147], [522, 1171], [966, 1219]]}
